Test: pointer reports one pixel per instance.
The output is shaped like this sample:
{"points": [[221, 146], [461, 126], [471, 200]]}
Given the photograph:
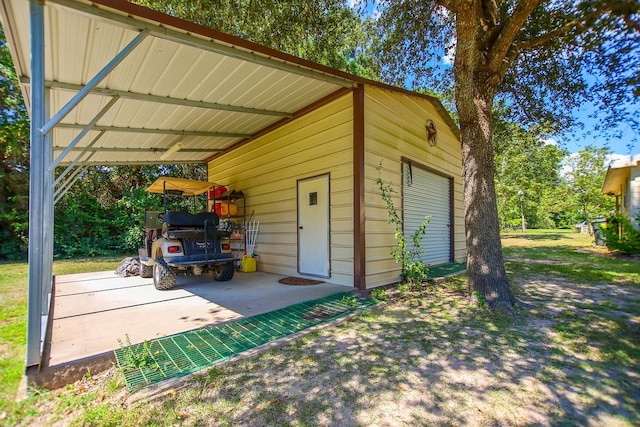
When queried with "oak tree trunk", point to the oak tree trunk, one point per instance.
{"points": [[476, 83], [485, 264]]}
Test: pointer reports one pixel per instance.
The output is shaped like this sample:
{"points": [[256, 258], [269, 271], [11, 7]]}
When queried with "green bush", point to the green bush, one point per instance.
{"points": [[621, 236]]}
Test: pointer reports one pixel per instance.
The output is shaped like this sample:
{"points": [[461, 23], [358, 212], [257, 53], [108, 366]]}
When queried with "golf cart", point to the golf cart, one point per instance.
{"points": [[179, 241]]}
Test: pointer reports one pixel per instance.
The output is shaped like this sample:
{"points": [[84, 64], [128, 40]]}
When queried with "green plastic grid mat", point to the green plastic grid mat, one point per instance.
{"points": [[446, 269], [187, 352]]}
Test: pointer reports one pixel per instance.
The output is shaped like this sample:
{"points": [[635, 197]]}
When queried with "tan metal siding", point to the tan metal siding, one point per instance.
{"points": [[395, 128], [267, 170]]}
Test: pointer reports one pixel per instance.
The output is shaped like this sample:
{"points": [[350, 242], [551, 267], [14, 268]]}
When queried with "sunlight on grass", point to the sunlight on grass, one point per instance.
{"points": [[13, 316], [568, 254]]}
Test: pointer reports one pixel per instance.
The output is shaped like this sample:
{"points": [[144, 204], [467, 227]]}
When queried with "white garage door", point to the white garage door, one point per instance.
{"points": [[428, 194]]}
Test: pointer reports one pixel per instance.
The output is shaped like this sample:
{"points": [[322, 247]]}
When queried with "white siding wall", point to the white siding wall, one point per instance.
{"points": [[395, 128], [267, 170]]}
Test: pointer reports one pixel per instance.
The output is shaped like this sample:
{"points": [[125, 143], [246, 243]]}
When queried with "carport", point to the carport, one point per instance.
{"points": [[111, 83], [93, 314]]}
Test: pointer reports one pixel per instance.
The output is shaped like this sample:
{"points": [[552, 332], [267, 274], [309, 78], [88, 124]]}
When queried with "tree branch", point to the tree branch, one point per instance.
{"points": [[452, 5], [490, 10], [567, 28], [510, 31]]}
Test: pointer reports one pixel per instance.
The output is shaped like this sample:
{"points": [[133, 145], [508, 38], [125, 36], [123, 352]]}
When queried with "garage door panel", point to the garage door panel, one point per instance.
{"points": [[428, 194]]}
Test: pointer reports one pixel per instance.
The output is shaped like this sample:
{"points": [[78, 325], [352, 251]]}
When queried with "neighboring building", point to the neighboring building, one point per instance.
{"points": [[584, 227], [623, 182]]}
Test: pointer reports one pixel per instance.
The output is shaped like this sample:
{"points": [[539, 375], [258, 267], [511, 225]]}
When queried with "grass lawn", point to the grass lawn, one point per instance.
{"points": [[13, 318], [426, 356]]}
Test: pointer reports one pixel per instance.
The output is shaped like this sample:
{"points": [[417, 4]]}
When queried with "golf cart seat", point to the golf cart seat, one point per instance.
{"points": [[185, 219], [183, 225]]}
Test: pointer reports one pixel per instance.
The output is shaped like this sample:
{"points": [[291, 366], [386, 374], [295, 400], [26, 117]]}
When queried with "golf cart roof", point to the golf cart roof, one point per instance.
{"points": [[185, 187]]}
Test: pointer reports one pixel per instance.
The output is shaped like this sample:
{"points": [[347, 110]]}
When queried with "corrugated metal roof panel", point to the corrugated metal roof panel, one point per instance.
{"points": [[81, 40], [177, 65]]}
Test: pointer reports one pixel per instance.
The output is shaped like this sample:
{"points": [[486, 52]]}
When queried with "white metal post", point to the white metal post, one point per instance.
{"points": [[48, 224], [36, 186]]}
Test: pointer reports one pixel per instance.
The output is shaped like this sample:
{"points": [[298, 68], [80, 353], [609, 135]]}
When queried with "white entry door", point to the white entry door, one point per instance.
{"points": [[313, 226]]}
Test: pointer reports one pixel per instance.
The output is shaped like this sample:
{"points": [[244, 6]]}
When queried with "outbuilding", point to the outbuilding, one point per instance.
{"points": [[313, 183], [107, 82]]}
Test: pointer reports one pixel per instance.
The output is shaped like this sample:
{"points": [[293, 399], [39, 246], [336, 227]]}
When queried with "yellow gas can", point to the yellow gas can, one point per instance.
{"points": [[248, 264]]}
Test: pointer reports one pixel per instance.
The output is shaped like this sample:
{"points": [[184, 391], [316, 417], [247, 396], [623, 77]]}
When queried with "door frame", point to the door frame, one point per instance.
{"points": [[328, 176]]}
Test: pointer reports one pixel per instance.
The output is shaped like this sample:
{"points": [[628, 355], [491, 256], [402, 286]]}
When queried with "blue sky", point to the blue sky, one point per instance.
{"points": [[616, 145]]}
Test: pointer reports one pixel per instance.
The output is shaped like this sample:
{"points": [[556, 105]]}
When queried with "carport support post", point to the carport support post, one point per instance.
{"points": [[37, 223], [48, 204]]}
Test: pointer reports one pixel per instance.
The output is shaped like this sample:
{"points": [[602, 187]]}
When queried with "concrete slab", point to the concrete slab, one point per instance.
{"points": [[93, 311]]}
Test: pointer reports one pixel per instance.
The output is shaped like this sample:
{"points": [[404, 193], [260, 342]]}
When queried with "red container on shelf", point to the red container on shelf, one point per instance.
{"points": [[210, 196], [220, 191]]}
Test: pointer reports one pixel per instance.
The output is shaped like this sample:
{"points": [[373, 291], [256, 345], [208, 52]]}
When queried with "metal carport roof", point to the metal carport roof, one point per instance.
{"points": [[173, 81], [109, 82]]}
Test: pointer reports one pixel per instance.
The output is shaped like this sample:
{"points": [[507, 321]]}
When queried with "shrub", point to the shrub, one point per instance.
{"points": [[414, 270], [621, 236]]}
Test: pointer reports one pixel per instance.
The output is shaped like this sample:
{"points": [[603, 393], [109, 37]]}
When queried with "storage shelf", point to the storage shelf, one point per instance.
{"points": [[238, 245]]}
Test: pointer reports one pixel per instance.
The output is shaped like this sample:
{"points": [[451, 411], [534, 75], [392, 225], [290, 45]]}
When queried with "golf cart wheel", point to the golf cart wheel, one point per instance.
{"points": [[164, 277], [223, 272], [146, 271]]}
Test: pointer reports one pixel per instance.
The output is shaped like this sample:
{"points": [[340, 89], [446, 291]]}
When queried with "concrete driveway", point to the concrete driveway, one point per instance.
{"points": [[93, 311]]}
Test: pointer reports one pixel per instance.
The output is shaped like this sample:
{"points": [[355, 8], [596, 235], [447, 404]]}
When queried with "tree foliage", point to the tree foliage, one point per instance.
{"points": [[544, 59], [559, 189], [621, 236], [527, 174], [324, 31], [103, 213], [587, 169], [14, 167]]}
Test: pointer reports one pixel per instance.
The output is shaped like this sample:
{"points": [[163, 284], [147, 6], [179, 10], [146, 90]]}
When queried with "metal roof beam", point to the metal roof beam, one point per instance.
{"points": [[59, 194], [156, 131], [83, 151], [142, 162], [104, 72], [202, 42], [163, 99], [84, 131], [140, 150]]}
